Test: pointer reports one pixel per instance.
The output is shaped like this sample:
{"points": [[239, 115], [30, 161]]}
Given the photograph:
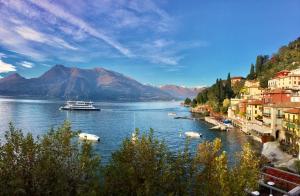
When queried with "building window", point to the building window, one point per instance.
{"points": [[255, 112]]}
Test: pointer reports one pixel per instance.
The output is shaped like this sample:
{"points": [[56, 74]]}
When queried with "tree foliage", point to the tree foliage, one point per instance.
{"points": [[187, 101], [56, 164], [216, 94], [51, 165], [287, 57]]}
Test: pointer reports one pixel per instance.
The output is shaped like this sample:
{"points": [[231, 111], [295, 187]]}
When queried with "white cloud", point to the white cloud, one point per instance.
{"points": [[6, 67], [33, 35], [81, 24], [15, 43], [26, 64]]}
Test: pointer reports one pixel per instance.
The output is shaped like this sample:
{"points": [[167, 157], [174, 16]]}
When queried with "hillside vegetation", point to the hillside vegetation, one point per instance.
{"points": [[287, 57], [265, 67]]}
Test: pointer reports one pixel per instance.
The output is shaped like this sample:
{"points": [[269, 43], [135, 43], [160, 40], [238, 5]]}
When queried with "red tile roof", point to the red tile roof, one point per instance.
{"points": [[293, 111], [255, 102]]}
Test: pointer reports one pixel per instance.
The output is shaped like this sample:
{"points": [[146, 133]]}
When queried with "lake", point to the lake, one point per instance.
{"points": [[115, 122]]}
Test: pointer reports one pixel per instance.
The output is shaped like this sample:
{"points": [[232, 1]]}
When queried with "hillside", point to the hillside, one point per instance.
{"points": [[287, 57], [73, 83]]}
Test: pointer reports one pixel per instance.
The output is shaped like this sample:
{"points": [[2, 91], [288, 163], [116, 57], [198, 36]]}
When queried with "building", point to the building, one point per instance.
{"points": [[252, 90], [291, 127], [273, 116], [274, 82], [286, 80], [276, 96], [254, 110], [236, 79]]}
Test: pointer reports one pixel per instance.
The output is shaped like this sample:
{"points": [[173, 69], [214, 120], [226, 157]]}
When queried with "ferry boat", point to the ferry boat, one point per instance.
{"points": [[79, 105]]}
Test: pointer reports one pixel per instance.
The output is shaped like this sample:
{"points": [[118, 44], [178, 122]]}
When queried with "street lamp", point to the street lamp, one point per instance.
{"points": [[271, 184]]}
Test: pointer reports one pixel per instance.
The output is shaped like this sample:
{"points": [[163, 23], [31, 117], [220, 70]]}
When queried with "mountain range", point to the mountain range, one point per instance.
{"points": [[61, 82], [181, 92]]}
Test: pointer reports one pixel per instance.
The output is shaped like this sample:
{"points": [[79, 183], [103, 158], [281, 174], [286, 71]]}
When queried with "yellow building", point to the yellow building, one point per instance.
{"points": [[291, 126], [254, 110], [252, 90]]}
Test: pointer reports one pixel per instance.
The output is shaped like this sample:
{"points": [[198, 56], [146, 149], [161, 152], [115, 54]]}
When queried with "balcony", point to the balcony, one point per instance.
{"points": [[268, 115], [280, 116]]}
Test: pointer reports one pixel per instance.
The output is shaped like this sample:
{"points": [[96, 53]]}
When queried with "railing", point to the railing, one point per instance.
{"points": [[284, 181], [280, 116], [266, 114]]}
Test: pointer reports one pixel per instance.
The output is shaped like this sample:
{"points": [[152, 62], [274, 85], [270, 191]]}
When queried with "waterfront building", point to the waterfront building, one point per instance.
{"points": [[291, 127], [254, 110], [277, 96], [273, 115]]}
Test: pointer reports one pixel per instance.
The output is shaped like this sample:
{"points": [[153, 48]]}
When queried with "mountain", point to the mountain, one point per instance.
{"points": [[180, 92], [74, 83]]}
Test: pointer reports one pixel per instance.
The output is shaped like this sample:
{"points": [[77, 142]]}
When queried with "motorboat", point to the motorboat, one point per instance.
{"points": [[79, 105], [89, 137], [172, 114], [193, 134]]}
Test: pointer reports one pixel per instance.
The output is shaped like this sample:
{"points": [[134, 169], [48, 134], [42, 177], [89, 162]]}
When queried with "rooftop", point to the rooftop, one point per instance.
{"points": [[293, 111], [284, 105], [255, 102]]}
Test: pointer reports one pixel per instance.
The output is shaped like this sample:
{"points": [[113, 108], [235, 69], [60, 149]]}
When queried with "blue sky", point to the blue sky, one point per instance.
{"points": [[188, 43]]}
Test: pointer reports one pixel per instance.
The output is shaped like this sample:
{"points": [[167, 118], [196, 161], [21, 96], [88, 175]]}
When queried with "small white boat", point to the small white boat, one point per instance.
{"points": [[172, 114], [90, 137], [216, 127], [193, 134], [133, 137]]}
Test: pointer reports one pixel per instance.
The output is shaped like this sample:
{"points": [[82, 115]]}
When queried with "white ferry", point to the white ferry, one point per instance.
{"points": [[79, 105]]}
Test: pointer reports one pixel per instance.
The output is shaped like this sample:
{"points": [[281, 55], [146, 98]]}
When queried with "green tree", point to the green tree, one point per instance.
{"points": [[50, 165], [187, 101], [252, 74], [147, 167], [228, 88], [245, 174], [213, 169], [194, 103]]}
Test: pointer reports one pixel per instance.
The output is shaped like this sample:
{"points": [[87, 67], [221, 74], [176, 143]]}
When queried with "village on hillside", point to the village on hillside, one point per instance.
{"points": [[268, 114]]}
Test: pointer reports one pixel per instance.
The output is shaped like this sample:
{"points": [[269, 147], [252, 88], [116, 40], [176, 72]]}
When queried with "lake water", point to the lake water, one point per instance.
{"points": [[115, 122]]}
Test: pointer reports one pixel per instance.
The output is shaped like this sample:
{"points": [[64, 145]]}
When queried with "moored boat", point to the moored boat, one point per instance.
{"points": [[79, 105], [193, 134], [88, 136]]}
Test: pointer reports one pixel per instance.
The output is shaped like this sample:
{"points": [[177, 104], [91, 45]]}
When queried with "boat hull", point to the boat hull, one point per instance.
{"points": [[81, 109]]}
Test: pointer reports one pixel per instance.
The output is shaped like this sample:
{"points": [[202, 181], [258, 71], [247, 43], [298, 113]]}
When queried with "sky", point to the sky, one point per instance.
{"points": [[188, 43]]}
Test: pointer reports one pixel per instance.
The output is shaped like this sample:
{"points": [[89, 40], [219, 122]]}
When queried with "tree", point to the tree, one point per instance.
{"points": [[187, 101], [202, 97], [147, 167], [245, 174], [53, 164], [194, 103], [228, 89], [214, 170], [252, 74]]}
